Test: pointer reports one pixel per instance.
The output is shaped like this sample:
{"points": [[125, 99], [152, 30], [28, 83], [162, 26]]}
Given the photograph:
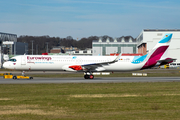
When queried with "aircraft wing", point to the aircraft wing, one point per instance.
{"points": [[103, 63], [93, 66]]}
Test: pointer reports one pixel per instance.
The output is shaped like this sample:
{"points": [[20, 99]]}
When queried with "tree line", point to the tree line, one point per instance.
{"points": [[41, 43]]}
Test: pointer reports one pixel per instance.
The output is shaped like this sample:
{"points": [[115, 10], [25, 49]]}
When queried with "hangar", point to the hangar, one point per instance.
{"points": [[9, 46], [7, 41], [148, 38], [121, 45]]}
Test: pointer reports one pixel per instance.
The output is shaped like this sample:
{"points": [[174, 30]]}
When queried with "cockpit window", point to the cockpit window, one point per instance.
{"points": [[13, 60]]}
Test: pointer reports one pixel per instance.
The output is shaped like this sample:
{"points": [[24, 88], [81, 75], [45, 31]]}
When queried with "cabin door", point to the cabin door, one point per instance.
{"points": [[23, 60]]}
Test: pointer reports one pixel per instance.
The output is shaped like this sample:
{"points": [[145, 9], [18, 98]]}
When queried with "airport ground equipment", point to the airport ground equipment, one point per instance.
{"points": [[8, 76], [11, 76], [1, 74]]}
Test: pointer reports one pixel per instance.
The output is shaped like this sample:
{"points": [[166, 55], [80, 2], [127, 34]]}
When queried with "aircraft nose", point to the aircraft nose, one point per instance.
{"points": [[5, 65]]}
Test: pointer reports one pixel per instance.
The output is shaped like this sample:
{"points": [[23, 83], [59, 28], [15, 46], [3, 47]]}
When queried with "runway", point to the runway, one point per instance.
{"points": [[38, 80]]}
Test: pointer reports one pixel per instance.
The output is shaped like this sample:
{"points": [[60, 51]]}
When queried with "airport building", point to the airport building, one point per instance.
{"points": [[87, 52], [10, 47], [21, 48], [148, 38], [108, 46], [7, 42]]}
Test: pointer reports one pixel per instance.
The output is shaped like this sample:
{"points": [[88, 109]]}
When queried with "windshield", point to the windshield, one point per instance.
{"points": [[13, 60]]}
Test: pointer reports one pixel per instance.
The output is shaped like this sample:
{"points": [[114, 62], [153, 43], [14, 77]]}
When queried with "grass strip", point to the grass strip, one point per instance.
{"points": [[107, 101]]}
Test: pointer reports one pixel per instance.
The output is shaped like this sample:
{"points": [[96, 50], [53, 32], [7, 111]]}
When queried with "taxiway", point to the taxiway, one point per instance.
{"points": [[38, 80]]}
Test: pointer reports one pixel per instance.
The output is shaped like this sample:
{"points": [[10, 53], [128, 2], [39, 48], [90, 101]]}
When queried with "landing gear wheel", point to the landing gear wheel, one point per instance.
{"points": [[86, 76], [14, 77], [91, 77]]}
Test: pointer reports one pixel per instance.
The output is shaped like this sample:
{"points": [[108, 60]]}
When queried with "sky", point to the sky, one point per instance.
{"points": [[85, 18]]}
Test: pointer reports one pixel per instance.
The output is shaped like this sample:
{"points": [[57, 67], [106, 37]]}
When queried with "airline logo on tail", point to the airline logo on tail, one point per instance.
{"points": [[166, 38], [157, 52]]}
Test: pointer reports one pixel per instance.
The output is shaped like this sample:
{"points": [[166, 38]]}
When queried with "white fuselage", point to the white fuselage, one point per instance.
{"points": [[62, 63]]}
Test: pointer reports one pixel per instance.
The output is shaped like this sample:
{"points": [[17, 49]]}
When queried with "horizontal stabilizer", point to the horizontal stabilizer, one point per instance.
{"points": [[166, 61]]}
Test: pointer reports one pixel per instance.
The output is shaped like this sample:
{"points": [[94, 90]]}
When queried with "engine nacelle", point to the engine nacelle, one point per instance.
{"points": [[66, 68], [76, 67]]}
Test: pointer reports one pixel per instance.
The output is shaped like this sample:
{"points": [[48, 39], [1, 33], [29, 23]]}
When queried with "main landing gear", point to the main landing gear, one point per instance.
{"points": [[88, 76]]}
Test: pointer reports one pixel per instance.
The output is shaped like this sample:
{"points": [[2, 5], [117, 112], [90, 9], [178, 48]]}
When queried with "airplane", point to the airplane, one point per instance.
{"points": [[90, 64]]}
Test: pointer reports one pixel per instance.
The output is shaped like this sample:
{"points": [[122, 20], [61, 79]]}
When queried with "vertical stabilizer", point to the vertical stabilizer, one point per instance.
{"points": [[158, 51]]}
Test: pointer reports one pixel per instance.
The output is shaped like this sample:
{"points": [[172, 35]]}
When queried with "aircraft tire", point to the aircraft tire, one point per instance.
{"points": [[14, 77], [86, 76], [91, 77], [30, 78]]}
